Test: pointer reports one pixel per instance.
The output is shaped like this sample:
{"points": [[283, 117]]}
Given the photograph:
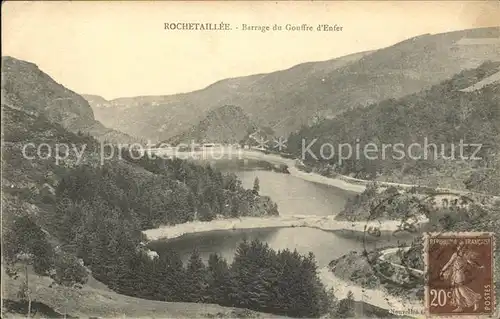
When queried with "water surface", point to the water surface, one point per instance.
{"points": [[294, 196]]}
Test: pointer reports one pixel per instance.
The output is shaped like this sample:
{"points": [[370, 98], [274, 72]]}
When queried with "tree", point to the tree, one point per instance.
{"points": [[231, 182], [69, 272], [196, 278], [346, 307], [219, 280], [283, 282], [206, 213], [256, 186], [331, 305], [101, 212], [235, 207], [176, 278], [313, 293], [253, 275], [25, 243]]}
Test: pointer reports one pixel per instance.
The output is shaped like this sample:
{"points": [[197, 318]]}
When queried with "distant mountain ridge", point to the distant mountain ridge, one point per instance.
{"points": [[288, 99], [96, 100], [162, 117], [444, 115], [27, 88]]}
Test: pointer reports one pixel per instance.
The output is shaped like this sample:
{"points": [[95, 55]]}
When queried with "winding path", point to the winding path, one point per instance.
{"points": [[390, 251]]}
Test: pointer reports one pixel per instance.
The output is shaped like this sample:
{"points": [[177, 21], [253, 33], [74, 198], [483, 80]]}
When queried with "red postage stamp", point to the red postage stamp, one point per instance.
{"points": [[459, 274]]}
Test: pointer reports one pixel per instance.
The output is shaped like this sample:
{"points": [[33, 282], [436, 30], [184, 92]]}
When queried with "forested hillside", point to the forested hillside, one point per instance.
{"points": [[26, 87], [368, 270], [79, 217], [437, 119], [226, 124], [73, 210]]}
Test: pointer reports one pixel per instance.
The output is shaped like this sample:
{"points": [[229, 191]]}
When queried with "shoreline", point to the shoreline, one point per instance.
{"points": [[243, 154], [343, 182], [377, 297], [325, 223]]}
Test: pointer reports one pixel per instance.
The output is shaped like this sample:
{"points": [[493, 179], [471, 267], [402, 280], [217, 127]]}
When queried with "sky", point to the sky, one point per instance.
{"points": [[121, 49]]}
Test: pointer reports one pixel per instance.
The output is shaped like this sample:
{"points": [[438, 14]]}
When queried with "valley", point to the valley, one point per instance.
{"points": [[214, 209], [287, 99]]}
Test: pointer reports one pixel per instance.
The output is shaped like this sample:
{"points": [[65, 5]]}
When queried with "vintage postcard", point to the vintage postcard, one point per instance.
{"points": [[250, 159]]}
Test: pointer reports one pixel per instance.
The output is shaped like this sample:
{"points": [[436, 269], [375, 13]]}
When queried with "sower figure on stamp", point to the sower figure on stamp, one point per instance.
{"points": [[455, 271]]}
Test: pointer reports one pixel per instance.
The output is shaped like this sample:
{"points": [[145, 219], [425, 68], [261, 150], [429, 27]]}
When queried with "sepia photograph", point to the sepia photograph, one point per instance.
{"points": [[250, 159]]}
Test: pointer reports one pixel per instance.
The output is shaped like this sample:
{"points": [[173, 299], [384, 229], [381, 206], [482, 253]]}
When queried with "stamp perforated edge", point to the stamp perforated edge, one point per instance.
{"points": [[426, 236]]}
